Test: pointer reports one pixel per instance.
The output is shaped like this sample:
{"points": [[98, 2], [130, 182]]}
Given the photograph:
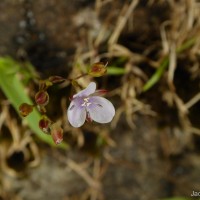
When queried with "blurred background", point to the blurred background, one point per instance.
{"points": [[151, 149]]}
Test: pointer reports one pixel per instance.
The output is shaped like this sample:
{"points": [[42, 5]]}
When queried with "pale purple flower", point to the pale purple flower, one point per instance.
{"points": [[86, 105]]}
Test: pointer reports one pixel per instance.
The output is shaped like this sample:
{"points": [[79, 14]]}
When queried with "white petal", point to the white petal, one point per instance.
{"points": [[87, 91], [76, 114], [101, 110]]}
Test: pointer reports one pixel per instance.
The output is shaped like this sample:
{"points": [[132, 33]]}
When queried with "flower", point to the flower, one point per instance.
{"points": [[85, 105]]}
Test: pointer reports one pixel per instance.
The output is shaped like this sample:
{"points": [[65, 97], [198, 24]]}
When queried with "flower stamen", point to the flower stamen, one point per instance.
{"points": [[86, 102]]}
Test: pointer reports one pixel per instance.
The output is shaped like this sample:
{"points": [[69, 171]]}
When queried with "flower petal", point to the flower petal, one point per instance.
{"points": [[87, 91], [76, 114], [101, 110]]}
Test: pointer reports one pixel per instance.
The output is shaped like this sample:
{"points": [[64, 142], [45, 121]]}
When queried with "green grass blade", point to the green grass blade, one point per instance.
{"points": [[157, 75], [164, 64], [177, 198], [14, 90], [112, 70]]}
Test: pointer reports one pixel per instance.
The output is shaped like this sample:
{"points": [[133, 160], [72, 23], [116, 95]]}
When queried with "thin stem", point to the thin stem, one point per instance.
{"points": [[80, 76]]}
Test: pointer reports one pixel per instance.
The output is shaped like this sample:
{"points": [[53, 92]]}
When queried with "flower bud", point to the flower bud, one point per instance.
{"points": [[57, 133], [44, 124], [25, 109], [56, 79], [97, 69], [42, 98], [100, 92]]}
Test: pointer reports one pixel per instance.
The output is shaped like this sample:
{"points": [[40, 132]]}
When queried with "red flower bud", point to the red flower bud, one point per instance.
{"points": [[100, 92], [97, 69], [25, 109], [44, 124], [42, 98], [56, 133], [56, 79]]}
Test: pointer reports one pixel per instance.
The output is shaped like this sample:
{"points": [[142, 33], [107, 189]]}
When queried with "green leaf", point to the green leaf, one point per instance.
{"points": [[177, 198], [157, 75], [164, 64], [14, 90], [112, 70]]}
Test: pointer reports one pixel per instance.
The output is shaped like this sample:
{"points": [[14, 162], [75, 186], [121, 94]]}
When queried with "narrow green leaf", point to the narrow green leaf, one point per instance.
{"points": [[15, 92], [157, 75], [112, 70], [164, 64], [177, 198], [186, 45]]}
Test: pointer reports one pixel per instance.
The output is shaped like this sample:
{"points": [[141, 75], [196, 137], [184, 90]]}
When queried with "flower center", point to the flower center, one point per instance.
{"points": [[86, 102]]}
